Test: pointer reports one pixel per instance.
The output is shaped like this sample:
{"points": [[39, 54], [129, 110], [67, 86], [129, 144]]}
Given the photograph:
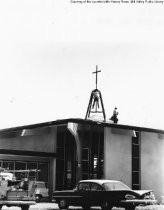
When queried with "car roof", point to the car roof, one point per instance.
{"points": [[99, 181]]}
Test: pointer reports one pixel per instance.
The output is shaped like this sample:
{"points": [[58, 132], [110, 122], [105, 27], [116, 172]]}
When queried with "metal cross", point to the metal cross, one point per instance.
{"points": [[96, 72]]}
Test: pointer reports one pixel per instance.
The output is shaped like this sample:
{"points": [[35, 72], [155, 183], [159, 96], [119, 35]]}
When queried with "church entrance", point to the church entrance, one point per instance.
{"points": [[92, 154], [66, 160], [92, 160]]}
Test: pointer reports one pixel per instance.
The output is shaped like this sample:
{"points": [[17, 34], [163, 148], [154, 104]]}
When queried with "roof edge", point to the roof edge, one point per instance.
{"points": [[82, 121]]}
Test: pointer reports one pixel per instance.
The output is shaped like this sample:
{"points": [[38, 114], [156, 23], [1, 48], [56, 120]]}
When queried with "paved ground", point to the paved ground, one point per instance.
{"points": [[53, 206]]}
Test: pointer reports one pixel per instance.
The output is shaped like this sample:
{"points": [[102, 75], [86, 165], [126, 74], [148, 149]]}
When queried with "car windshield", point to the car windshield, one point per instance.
{"points": [[115, 186], [40, 185]]}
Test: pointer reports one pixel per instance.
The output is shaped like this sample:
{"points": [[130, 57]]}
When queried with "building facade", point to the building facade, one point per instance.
{"points": [[66, 151]]}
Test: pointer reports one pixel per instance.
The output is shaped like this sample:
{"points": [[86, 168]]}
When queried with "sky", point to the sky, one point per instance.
{"points": [[49, 49]]}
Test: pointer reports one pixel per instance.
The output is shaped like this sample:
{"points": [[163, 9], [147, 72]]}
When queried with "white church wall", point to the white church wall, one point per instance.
{"points": [[152, 162], [117, 155]]}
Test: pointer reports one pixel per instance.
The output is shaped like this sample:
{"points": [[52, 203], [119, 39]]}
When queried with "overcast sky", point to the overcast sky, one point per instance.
{"points": [[49, 49]]}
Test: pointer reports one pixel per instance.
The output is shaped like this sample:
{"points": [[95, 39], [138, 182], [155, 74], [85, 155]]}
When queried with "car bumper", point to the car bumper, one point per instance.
{"points": [[5, 202], [139, 202]]}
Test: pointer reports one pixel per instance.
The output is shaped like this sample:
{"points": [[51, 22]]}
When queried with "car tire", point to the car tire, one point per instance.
{"points": [[38, 198], [106, 206], [63, 204], [25, 207]]}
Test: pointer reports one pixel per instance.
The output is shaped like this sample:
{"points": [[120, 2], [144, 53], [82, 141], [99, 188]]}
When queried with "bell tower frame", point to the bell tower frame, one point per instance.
{"points": [[96, 105]]}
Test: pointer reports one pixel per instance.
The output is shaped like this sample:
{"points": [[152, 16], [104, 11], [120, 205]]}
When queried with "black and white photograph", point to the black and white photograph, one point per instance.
{"points": [[82, 105]]}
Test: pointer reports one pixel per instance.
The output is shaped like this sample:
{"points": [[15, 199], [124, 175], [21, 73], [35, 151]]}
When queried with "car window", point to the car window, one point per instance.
{"points": [[85, 186], [108, 186], [120, 186], [115, 186], [96, 187], [40, 185]]}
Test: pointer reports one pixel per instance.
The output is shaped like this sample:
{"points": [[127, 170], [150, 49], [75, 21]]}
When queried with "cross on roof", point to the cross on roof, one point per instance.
{"points": [[96, 72]]}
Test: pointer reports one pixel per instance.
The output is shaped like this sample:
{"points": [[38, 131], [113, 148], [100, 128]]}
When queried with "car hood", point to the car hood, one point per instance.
{"points": [[142, 192]]}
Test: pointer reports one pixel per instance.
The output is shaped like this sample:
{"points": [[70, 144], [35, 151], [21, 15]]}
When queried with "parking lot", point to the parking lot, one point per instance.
{"points": [[52, 206]]}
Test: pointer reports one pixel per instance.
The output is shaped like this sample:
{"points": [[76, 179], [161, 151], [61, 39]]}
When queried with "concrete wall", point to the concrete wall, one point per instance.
{"points": [[152, 162], [117, 152], [40, 141]]}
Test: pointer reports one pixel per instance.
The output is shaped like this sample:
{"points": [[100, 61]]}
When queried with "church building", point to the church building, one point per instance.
{"points": [[69, 150], [72, 149]]}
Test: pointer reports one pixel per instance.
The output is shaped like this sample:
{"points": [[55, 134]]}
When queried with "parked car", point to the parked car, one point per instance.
{"points": [[103, 193], [41, 191]]}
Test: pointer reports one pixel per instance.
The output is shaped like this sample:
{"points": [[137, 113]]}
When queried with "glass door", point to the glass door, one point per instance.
{"points": [[70, 169], [66, 161]]}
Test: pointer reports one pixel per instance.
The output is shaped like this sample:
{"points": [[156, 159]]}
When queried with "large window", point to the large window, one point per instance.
{"points": [[19, 165], [66, 160], [10, 165], [32, 165], [92, 154], [41, 175], [136, 162]]}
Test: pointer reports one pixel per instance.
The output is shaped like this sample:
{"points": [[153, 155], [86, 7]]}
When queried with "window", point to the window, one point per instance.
{"points": [[85, 154], [120, 186], [96, 187], [8, 165], [85, 167], [42, 175], [66, 160], [136, 162], [97, 157], [93, 154], [40, 185], [115, 186], [108, 186], [84, 186], [85, 176], [32, 165], [19, 165]]}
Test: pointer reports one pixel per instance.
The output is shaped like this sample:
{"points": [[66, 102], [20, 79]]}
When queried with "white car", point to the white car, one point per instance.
{"points": [[41, 191]]}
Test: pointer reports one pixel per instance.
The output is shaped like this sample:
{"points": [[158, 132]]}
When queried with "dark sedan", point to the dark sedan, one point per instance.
{"points": [[103, 193]]}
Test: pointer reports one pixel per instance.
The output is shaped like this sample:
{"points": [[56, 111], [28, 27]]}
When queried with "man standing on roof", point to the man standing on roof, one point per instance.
{"points": [[114, 116]]}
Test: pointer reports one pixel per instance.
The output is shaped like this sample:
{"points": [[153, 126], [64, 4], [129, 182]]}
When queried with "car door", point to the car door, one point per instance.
{"points": [[83, 193], [96, 194]]}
